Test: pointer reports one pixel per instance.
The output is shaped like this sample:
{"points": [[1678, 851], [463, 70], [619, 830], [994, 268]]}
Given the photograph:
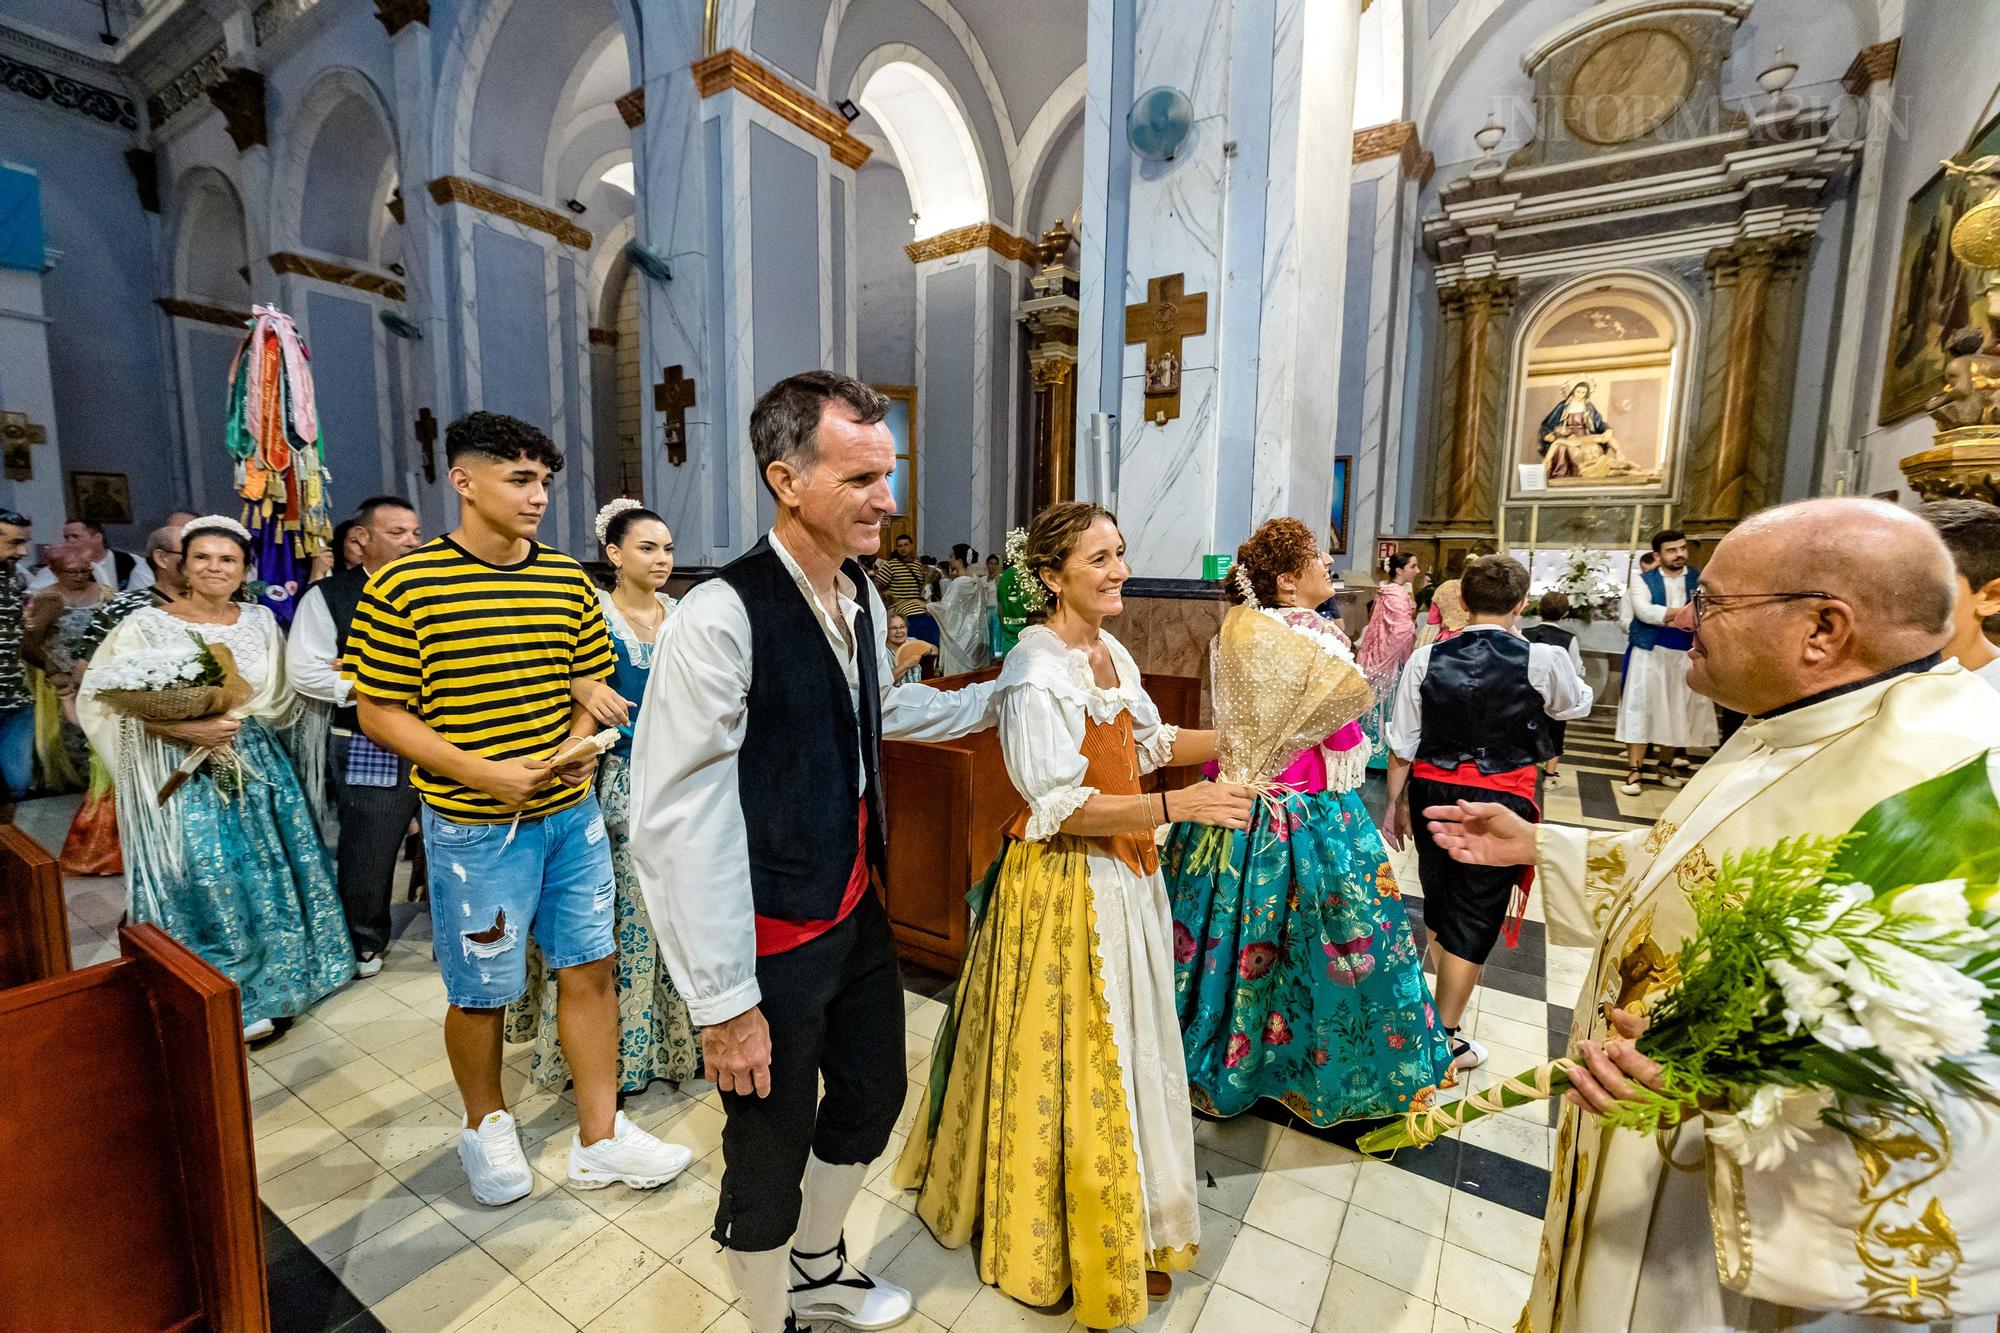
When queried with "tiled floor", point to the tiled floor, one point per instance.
{"points": [[356, 1119]]}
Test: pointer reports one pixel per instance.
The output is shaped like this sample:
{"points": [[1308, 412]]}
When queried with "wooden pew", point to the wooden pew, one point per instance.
{"points": [[947, 803], [34, 920], [141, 1057]]}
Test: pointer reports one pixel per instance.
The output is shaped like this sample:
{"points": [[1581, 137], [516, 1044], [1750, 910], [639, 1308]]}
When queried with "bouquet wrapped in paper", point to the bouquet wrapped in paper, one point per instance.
{"points": [[176, 685], [1281, 685]]}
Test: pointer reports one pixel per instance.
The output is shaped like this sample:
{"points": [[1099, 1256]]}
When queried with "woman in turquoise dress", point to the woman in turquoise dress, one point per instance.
{"points": [[232, 865], [1296, 974], [656, 1039]]}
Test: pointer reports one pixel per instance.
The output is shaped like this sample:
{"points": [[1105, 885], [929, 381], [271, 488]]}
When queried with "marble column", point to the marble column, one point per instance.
{"points": [[1869, 83], [1252, 210], [1471, 374], [1739, 450], [427, 383]]}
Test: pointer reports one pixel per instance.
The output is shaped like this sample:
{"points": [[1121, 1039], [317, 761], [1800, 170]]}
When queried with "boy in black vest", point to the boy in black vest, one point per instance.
{"points": [[1472, 721], [757, 825], [1552, 609], [371, 785]]}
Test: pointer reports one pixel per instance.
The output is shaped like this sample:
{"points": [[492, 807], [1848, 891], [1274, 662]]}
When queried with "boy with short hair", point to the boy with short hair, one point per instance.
{"points": [[1971, 532], [464, 655], [1472, 723]]}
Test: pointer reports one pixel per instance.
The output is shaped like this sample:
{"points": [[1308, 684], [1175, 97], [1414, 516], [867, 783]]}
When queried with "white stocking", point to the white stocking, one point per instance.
{"points": [[764, 1286], [829, 1193]]}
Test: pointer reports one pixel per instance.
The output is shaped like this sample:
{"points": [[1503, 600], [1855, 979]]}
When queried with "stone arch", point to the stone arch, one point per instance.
{"points": [[836, 12], [493, 42], [1056, 115], [211, 245], [338, 151], [925, 122]]}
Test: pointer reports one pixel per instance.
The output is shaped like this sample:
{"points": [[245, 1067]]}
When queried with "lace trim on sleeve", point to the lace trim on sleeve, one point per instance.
{"points": [[1159, 749], [1047, 813]]}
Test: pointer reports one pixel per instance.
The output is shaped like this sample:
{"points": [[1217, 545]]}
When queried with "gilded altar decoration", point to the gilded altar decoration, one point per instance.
{"points": [[1597, 407], [1964, 462]]}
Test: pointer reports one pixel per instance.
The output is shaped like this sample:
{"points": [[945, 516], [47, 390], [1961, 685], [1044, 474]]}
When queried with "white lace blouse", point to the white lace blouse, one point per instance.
{"points": [[1046, 692]]}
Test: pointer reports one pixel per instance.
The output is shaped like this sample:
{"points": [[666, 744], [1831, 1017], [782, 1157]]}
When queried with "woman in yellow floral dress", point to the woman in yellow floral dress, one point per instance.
{"points": [[1058, 1126]]}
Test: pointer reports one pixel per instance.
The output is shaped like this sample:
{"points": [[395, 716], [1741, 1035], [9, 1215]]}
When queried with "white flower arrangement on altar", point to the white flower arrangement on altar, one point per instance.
{"points": [[1586, 581]]}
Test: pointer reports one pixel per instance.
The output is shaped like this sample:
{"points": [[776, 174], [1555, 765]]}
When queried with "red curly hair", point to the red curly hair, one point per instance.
{"points": [[1279, 546]]}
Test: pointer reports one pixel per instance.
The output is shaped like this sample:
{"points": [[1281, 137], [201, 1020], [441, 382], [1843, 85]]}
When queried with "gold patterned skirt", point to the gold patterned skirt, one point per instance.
{"points": [[1074, 1167]]}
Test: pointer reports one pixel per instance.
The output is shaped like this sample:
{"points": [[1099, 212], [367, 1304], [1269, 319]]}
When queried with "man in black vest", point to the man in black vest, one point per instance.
{"points": [[371, 785], [757, 825], [1473, 720]]}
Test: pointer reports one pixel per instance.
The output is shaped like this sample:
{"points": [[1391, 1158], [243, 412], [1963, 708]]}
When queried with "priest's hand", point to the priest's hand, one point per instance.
{"points": [[737, 1054], [1603, 1075], [1482, 833]]}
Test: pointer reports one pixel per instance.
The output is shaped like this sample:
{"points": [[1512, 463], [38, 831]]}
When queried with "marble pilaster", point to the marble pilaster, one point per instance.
{"points": [[1840, 458], [426, 382]]}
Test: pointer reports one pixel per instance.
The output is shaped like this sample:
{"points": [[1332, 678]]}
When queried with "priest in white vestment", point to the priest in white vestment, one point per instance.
{"points": [[1655, 705], [1849, 704], [961, 616]]}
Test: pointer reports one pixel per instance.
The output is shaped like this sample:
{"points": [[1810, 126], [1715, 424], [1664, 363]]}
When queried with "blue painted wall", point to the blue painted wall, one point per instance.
{"points": [[345, 387], [837, 267], [210, 349], [885, 316], [944, 444], [513, 325], [113, 413], [784, 239], [1354, 316], [728, 440]]}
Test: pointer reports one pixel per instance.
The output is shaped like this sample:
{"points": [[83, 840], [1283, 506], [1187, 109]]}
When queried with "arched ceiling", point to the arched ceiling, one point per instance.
{"points": [[933, 145], [529, 85], [344, 187]]}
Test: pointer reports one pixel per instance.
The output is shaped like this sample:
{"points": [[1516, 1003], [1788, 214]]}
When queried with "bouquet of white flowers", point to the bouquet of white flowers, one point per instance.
{"points": [[177, 684], [1586, 581], [1805, 996]]}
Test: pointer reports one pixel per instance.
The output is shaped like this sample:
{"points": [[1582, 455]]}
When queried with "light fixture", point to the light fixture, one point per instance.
{"points": [[1489, 135], [573, 205], [848, 109], [396, 269]]}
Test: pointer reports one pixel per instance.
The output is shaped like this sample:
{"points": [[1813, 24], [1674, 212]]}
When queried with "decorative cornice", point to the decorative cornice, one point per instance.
{"points": [[1872, 65], [396, 15], [60, 90], [186, 87], [731, 69], [604, 337], [459, 190], [327, 271], [206, 314], [272, 17], [959, 240], [1382, 140], [632, 108]]}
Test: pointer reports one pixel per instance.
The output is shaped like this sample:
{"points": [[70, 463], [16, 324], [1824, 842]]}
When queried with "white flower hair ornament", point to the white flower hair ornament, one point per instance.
{"points": [[214, 523], [1033, 595], [611, 511], [1241, 577]]}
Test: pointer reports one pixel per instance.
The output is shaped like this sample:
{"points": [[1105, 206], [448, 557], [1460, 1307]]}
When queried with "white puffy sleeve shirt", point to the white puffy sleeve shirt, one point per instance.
{"points": [[1047, 692], [688, 835]]}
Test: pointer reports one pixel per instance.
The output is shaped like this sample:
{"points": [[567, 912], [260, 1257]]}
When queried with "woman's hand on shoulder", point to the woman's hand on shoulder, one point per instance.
{"points": [[603, 703]]}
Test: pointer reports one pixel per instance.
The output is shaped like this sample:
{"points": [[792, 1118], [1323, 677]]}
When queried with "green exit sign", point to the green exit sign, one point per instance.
{"points": [[1215, 567]]}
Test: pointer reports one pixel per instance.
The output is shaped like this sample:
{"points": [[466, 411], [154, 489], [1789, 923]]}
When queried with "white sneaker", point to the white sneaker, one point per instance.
{"points": [[1466, 1053], [493, 1160], [259, 1030], [846, 1295], [630, 1155], [367, 967]]}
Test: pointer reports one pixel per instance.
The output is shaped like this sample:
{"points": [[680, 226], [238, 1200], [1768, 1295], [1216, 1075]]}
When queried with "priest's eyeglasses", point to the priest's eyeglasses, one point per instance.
{"points": [[1706, 602]]}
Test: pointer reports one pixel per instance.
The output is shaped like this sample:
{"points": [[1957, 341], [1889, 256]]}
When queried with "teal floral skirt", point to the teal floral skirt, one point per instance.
{"points": [[255, 893], [1295, 973], [655, 1037]]}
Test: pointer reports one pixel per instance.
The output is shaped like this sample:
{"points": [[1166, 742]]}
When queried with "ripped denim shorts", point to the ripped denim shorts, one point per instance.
{"points": [[489, 893]]}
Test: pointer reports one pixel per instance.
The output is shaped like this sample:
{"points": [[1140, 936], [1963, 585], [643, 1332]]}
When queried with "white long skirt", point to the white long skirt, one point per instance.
{"points": [[1657, 707]]}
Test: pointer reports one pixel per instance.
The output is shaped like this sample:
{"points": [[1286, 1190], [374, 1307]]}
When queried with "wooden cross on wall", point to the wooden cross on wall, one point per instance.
{"points": [[16, 434], [427, 434], [674, 395], [1161, 321]]}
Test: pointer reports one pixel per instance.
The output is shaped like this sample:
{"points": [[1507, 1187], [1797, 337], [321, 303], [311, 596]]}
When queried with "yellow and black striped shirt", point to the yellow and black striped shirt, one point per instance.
{"points": [[484, 655]]}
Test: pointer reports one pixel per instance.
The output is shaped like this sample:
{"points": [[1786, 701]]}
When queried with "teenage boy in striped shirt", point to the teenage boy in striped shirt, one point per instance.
{"points": [[465, 654]]}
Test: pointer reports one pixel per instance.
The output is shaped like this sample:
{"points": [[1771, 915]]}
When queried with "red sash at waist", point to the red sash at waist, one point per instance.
{"points": [[777, 936], [1519, 782]]}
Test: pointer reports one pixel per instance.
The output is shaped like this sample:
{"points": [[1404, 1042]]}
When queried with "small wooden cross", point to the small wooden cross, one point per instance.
{"points": [[674, 395], [1166, 316], [16, 434], [427, 433]]}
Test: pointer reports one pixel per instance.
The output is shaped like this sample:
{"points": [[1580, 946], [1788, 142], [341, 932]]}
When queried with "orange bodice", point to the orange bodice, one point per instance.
{"points": [[1111, 756]]}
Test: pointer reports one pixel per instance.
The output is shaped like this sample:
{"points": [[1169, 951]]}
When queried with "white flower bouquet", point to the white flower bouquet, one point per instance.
{"points": [[1806, 995], [1586, 581], [177, 684]]}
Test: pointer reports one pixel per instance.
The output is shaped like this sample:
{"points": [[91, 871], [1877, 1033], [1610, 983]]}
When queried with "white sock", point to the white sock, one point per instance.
{"points": [[829, 1193], [764, 1286]]}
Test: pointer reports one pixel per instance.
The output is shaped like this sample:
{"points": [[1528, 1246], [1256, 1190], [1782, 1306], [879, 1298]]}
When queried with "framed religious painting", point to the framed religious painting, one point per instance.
{"points": [[1343, 485], [1936, 294], [101, 497], [1599, 385]]}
